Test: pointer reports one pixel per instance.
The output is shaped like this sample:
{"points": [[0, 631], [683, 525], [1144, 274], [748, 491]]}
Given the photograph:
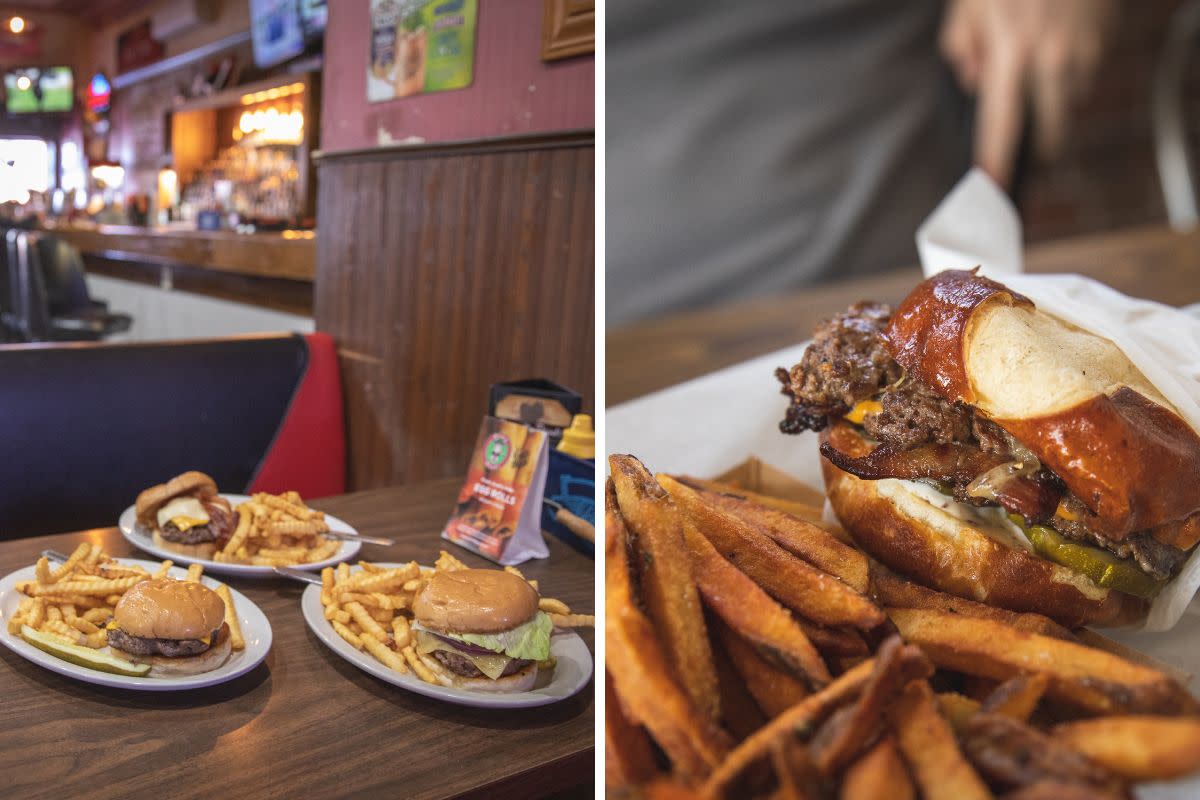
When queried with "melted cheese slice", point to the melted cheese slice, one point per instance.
{"points": [[491, 665], [185, 512]]}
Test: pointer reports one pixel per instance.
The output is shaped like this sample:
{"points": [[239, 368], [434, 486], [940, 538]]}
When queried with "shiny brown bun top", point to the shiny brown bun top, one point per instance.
{"points": [[162, 608], [192, 483], [475, 601], [1071, 397]]}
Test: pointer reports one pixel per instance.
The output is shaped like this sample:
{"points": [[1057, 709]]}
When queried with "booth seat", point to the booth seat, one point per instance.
{"points": [[85, 427]]}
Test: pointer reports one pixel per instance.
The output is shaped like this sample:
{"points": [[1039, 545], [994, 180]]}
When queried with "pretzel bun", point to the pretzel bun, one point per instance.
{"points": [[959, 550], [151, 500], [1071, 397]]}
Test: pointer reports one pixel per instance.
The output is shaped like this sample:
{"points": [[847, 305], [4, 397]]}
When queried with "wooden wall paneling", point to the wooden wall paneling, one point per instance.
{"points": [[441, 271]]}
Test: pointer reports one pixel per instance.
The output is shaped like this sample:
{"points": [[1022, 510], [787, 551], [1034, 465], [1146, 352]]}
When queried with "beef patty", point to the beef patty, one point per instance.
{"points": [[149, 646], [461, 665], [197, 534]]}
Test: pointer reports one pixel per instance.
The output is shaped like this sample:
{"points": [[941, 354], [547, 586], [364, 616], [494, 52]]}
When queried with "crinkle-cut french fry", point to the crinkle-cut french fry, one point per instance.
{"points": [[401, 634], [241, 532], [164, 569], [98, 588], [97, 615], [53, 613], [366, 621], [41, 570], [423, 672], [67, 567], [383, 654], [277, 503], [553, 606], [447, 562], [96, 640], [573, 620], [63, 629], [511, 570], [343, 573], [236, 640], [194, 572], [350, 636], [36, 614], [322, 551]]}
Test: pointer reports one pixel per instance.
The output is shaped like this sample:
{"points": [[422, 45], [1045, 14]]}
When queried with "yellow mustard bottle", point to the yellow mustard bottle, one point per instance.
{"points": [[579, 440]]}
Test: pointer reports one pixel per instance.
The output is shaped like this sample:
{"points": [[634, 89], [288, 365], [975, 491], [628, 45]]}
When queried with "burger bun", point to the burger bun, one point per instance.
{"points": [[168, 667]]}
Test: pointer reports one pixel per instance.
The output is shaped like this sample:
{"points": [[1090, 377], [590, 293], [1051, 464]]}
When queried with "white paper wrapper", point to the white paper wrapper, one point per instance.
{"points": [[977, 225]]}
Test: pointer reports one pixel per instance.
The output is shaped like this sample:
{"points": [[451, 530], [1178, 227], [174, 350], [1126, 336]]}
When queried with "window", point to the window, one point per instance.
{"points": [[24, 168]]}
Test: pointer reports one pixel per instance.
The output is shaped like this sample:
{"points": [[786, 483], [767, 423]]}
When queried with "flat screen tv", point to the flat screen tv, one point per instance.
{"points": [[39, 89], [276, 30], [314, 14]]}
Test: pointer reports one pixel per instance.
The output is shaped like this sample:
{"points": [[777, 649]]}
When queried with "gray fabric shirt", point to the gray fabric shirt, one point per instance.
{"points": [[754, 147]]}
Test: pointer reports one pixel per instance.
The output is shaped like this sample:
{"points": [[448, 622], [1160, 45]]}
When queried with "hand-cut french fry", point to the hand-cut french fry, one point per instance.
{"points": [[236, 640], [1136, 748], [1018, 696], [738, 600], [812, 512], [639, 668], [740, 714], [835, 745], [957, 709], [895, 592], [794, 771], [801, 717], [801, 587], [773, 688], [668, 587], [834, 642], [1101, 642], [194, 572], [1009, 753], [347, 634], [552, 606], [814, 544], [628, 758], [1091, 679], [927, 743], [878, 774]]}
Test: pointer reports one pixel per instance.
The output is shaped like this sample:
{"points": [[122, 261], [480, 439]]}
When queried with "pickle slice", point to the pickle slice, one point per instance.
{"points": [[83, 656], [1103, 568]]}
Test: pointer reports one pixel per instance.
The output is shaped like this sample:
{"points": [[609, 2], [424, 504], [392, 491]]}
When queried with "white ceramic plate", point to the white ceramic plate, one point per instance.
{"points": [[141, 538], [707, 425], [571, 673], [255, 629]]}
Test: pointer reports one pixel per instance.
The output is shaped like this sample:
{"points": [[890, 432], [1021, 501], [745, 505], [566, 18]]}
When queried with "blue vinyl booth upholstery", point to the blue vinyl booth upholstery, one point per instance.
{"points": [[85, 427]]}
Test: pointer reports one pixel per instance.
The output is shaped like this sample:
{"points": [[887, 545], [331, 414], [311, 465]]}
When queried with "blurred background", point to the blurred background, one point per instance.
{"points": [[777, 146]]}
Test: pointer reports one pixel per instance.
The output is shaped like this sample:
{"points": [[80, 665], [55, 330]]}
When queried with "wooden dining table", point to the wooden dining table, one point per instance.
{"points": [[305, 722], [1152, 262]]}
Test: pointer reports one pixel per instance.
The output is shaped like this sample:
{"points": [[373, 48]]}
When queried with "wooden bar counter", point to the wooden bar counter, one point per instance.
{"points": [[273, 270]]}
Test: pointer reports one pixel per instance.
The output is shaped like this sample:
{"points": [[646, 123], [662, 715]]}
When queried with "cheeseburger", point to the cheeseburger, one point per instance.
{"points": [[481, 629], [186, 514], [177, 627], [990, 450]]}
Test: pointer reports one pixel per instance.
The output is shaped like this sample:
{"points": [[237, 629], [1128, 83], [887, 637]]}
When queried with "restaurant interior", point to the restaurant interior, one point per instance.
{"points": [[297, 251]]}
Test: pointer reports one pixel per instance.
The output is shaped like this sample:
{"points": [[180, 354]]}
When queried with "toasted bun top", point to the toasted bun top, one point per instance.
{"points": [[475, 601], [1073, 398], [152, 499], [163, 608]]}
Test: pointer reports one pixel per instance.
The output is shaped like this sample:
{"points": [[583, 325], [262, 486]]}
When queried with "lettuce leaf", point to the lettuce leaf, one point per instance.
{"points": [[530, 641]]}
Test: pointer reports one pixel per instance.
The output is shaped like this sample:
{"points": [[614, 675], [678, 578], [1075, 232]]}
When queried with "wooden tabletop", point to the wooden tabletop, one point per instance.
{"points": [[305, 723], [1153, 262]]}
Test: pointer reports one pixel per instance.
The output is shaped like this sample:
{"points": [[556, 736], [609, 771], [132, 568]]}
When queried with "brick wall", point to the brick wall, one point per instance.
{"points": [[1107, 178]]}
